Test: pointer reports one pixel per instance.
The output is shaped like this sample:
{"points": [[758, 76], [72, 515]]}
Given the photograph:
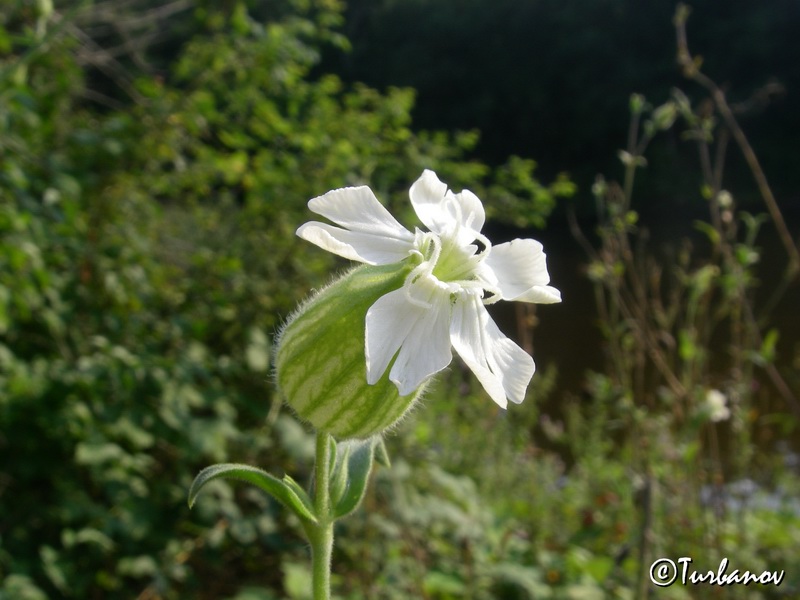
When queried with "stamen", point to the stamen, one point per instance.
{"points": [[451, 200], [470, 219], [470, 284], [437, 248], [492, 300], [419, 271], [487, 245], [424, 268], [495, 294]]}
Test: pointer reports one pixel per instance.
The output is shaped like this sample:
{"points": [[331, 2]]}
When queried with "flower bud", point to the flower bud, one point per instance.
{"points": [[637, 103], [664, 116], [321, 362]]}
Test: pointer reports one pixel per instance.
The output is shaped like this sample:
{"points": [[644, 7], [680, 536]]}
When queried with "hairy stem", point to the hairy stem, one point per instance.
{"points": [[321, 535]]}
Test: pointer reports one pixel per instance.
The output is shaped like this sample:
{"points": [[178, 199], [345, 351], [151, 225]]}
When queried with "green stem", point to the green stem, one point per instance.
{"points": [[321, 535]]}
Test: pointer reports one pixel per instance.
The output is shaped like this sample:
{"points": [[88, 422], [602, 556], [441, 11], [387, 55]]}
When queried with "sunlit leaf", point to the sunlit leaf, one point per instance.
{"points": [[285, 493]]}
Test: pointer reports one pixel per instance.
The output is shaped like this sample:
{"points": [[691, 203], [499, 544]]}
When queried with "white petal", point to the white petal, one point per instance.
{"points": [[471, 215], [371, 234], [386, 330], [421, 334], [519, 270], [426, 349], [362, 246], [444, 212], [465, 335], [427, 197], [357, 209], [541, 294], [503, 368]]}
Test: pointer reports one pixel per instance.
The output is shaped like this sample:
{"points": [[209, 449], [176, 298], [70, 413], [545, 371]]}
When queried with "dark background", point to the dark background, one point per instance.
{"points": [[551, 80]]}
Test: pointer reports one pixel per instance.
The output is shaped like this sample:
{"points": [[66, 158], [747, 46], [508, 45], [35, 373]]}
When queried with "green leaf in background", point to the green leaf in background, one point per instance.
{"points": [[258, 351], [443, 585], [20, 587], [296, 578]]}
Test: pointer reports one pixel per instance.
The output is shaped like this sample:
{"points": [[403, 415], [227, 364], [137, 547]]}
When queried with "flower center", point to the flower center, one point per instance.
{"points": [[455, 263], [445, 266]]}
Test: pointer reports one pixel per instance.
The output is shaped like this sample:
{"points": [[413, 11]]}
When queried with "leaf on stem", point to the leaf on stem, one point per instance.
{"points": [[359, 464], [340, 472], [300, 492], [382, 454], [285, 491]]}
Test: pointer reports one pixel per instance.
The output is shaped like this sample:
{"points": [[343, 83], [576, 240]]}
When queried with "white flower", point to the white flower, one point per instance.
{"points": [[456, 271], [717, 406]]}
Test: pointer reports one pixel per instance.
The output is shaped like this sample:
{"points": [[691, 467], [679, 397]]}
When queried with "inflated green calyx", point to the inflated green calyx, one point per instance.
{"points": [[321, 362]]}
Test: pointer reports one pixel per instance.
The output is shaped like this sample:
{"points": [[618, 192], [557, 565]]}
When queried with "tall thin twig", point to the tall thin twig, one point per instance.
{"points": [[691, 69]]}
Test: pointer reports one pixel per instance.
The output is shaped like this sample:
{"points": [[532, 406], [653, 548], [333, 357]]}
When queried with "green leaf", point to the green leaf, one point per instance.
{"points": [[443, 584], [283, 491], [339, 473], [296, 578], [359, 465], [767, 352], [382, 454], [54, 568], [664, 116], [301, 493], [599, 567], [637, 103], [258, 351], [332, 454], [20, 587], [708, 229]]}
